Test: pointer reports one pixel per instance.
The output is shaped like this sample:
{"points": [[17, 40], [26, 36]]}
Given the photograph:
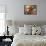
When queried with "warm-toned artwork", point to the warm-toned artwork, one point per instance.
{"points": [[30, 9]]}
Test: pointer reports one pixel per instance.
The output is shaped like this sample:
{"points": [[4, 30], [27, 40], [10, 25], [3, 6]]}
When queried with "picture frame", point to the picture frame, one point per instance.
{"points": [[30, 9]]}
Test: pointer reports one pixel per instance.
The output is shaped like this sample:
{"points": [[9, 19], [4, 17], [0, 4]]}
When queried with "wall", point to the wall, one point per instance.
{"points": [[15, 10]]}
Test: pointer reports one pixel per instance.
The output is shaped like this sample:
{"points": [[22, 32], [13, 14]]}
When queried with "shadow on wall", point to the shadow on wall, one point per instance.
{"points": [[21, 23]]}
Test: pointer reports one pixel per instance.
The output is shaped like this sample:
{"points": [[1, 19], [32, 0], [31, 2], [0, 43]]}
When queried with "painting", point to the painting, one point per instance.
{"points": [[30, 9]]}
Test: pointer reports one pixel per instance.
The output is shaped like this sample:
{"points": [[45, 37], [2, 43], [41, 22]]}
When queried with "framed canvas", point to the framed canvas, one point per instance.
{"points": [[30, 9]]}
